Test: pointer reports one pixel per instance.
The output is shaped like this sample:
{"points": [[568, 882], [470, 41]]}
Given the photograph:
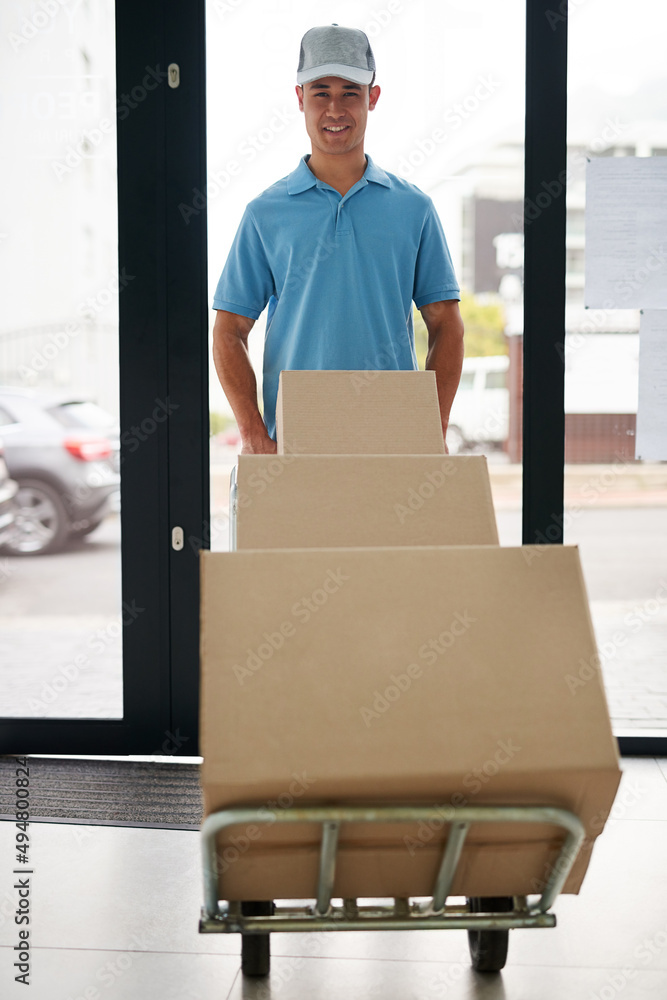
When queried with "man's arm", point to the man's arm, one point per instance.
{"points": [[445, 351], [237, 378]]}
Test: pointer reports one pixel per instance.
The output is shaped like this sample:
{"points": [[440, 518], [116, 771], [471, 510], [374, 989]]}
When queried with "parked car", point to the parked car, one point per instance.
{"points": [[8, 491], [64, 452], [480, 411]]}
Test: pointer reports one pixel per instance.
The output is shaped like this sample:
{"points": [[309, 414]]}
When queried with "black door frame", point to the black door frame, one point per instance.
{"points": [[164, 364], [163, 389]]}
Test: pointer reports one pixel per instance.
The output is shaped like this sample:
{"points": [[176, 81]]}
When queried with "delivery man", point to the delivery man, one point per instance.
{"points": [[339, 249]]}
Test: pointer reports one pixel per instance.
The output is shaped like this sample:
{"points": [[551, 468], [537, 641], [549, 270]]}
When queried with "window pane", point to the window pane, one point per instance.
{"points": [[615, 506], [462, 144], [60, 606]]}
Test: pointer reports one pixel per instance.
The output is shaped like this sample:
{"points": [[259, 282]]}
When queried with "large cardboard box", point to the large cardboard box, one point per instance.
{"points": [[320, 501], [358, 413], [443, 676]]}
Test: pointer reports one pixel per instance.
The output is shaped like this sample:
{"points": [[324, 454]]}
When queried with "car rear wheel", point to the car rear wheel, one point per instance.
{"points": [[41, 523]]}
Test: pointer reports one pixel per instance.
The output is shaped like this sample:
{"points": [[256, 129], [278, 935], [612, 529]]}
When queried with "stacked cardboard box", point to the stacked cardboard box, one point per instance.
{"points": [[358, 413], [322, 501], [429, 665]]}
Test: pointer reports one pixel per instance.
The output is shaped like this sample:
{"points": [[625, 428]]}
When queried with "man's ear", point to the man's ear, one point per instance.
{"points": [[299, 94], [373, 97]]}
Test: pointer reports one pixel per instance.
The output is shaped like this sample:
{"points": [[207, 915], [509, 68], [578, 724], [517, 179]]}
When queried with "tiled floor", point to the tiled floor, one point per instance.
{"points": [[115, 911]]}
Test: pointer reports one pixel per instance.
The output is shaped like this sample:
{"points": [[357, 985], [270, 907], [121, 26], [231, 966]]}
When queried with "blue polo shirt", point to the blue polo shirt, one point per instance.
{"points": [[339, 274]]}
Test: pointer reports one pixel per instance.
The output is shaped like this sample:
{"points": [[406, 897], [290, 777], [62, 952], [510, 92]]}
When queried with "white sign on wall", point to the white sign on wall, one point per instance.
{"points": [[626, 232]]}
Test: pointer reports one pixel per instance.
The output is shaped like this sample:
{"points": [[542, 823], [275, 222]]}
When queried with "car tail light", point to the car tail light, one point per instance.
{"points": [[88, 449]]}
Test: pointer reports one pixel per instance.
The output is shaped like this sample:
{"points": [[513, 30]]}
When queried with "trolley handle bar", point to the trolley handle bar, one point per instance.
{"points": [[460, 817]]}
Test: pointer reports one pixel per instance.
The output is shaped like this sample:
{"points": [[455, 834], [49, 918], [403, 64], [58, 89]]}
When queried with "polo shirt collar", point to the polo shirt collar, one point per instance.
{"points": [[376, 174], [302, 178]]}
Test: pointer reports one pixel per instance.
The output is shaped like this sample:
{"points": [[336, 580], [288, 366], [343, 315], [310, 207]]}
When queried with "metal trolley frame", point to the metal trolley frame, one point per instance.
{"points": [[488, 920]]}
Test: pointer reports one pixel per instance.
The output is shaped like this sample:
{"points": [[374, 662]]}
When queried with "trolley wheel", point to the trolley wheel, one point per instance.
{"points": [[488, 949], [256, 948]]}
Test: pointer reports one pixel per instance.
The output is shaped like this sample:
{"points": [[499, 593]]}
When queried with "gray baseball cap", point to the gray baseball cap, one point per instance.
{"points": [[335, 51]]}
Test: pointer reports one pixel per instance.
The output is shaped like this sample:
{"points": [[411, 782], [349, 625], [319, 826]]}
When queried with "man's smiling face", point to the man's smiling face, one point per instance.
{"points": [[336, 112]]}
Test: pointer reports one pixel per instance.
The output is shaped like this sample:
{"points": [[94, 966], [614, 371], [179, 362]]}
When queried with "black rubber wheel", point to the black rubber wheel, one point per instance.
{"points": [[82, 532], [41, 523], [256, 948], [488, 949]]}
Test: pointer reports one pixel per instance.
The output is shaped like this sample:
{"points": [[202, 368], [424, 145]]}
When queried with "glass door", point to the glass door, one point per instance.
{"points": [[615, 501], [451, 124], [61, 610], [100, 390]]}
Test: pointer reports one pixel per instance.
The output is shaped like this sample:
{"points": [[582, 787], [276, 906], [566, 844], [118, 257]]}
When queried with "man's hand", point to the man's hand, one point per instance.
{"points": [[445, 352], [259, 446]]}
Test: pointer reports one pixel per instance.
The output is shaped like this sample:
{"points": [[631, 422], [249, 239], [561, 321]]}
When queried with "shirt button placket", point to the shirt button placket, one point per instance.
{"points": [[341, 221]]}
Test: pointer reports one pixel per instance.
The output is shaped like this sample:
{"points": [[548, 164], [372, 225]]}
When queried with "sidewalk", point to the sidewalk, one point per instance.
{"points": [[612, 485], [57, 667]]}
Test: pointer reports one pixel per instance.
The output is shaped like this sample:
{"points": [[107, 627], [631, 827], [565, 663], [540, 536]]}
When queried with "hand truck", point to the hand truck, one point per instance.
{"points": [[488, 920]]}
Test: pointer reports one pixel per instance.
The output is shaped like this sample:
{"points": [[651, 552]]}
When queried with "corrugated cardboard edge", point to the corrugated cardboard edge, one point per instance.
{"points": [[488, 498], [598, 671]]}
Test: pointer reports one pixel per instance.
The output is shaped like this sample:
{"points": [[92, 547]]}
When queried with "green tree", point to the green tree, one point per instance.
{"points": [[484, 322]]}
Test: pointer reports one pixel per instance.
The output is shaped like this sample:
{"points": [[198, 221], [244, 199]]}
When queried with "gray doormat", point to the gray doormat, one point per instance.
{"points": [[106, 793]]}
